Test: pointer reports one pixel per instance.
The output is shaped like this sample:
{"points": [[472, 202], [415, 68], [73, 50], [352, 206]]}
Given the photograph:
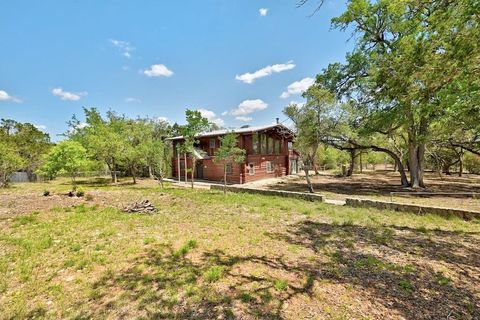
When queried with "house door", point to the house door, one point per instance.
{"points": [[199, 170]]}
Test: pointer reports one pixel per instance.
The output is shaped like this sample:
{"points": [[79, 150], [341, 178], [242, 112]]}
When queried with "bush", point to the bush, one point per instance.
{"points": [[46, 193], [472, 163], [80, 193], [89, 197]]}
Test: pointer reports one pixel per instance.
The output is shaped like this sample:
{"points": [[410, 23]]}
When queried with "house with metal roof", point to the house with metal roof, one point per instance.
{"points": [[268, 149]]}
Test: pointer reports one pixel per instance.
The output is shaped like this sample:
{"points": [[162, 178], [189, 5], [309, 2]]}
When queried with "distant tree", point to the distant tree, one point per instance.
{"points": [[10, 161], [102, 138], [31, 144], [68, 157], [229, 153], [196, 124]]}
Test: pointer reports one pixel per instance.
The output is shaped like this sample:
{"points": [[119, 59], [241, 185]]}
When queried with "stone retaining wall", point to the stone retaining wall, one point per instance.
{"points": [[279, 193], [418, 209]]}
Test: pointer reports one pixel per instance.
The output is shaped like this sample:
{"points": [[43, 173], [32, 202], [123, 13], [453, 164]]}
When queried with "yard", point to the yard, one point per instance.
{"points": [[455, 192], [209, 256]]}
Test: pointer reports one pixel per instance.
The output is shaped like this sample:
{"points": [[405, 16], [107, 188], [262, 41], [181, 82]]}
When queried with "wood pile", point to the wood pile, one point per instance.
{"points": [[144, 206]]}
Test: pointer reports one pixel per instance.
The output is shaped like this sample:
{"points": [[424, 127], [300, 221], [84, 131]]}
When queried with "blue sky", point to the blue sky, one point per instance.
{"points": [[235, 62]]}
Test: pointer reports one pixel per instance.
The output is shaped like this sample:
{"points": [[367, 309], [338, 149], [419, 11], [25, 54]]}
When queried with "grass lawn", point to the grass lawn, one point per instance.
{"points": [[209, 256]]}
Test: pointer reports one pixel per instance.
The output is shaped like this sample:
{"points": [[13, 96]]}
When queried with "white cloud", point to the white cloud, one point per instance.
{"points": [[211, 116], [266, 71], [164, 119], [4, 96], [82, 125], [249, 106], [40, 126], [224, 113], [243, 118], [158, 70], [65, 95], [132, 100], [263, 11], [298, 87], [124, 47]]}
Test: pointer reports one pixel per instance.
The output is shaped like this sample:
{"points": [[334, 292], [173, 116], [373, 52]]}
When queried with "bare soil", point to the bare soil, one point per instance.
{"points": [[380, 184]]}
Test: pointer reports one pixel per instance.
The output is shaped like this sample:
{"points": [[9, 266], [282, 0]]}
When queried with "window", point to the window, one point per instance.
{"points": [[270, 145], [212, 143], [270, 166], [255, 143], [263, 144], [290, 145], [229, 168], [251, 169], [277, 146]]}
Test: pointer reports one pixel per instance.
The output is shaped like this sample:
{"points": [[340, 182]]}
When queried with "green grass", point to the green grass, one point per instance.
{"points": [[206, 252]]}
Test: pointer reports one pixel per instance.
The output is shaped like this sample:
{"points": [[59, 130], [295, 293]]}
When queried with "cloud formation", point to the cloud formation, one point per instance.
{"points": [[158, 70], [65, 95], [40, 126], [132, 100], [249, 106], [211, 116], [266, 71], [298, 87], [4, 96], [124, 47], [263, 11], [244, 118]]}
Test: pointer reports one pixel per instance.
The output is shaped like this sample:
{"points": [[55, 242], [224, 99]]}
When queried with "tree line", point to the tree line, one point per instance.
{"points": [[409, 89]]}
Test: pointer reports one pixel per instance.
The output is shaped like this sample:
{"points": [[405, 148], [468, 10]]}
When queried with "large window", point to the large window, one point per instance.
{"points": [[255, 143], [263, 138], [277, 146], [270, 145]]}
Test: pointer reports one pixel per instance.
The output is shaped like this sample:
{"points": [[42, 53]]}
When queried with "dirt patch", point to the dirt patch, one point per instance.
{"points": [[379, 185]]}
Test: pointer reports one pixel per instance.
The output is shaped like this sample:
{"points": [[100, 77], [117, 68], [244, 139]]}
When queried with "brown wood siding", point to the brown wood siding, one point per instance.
{"points": [[213, 171]]}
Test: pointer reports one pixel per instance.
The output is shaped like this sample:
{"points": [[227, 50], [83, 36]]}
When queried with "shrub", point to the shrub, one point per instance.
{"points": [[80, 193], [46, 193], [89, 197], [472, 163]]}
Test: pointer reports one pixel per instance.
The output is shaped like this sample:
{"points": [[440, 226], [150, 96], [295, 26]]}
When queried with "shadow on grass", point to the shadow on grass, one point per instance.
{"points": [[164, 283]]}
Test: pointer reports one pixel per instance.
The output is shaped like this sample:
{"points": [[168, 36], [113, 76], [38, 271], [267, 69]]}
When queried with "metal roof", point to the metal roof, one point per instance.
{"points": [[237, 130]]}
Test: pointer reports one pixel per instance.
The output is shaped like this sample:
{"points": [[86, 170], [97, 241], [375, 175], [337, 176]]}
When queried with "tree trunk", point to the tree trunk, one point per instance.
{"points": [[460, 164], [416, 154], [150, 173], [361, 163], [351, 167], [132, 170], [309, 183], [193, 169], [178, 167], [185, 168], [224, 178], [114, 167]]}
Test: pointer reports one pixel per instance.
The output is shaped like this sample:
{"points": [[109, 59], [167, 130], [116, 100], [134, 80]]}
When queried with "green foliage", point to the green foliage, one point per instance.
{"points": [[472, 163], [10, 161], [280, 285], [68, 157], [229, 153], [30, 143]]}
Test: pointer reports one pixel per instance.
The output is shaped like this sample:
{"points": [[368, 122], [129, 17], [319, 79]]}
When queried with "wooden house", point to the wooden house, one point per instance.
{"points": [[269, 153]]}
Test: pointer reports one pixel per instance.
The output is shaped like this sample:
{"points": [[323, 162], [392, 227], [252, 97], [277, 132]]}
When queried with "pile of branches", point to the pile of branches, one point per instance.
{"points": [[144, 206]]}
